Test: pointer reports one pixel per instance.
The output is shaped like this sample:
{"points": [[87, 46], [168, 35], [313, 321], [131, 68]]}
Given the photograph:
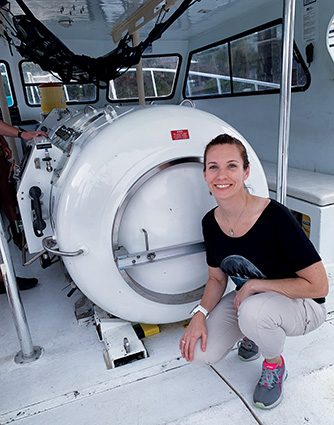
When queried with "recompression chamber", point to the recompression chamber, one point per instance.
{"points": [[122, 198]]}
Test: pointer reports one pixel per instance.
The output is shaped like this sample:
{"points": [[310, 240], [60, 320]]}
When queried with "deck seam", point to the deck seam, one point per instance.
{"points": [[239, 395]]}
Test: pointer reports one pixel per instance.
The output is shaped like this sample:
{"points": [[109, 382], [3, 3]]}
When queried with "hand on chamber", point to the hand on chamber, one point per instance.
{"points": [[196, 329], [28, 135]]}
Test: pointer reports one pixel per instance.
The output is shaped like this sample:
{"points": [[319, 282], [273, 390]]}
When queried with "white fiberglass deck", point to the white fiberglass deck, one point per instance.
{"points": [[70, 384]]}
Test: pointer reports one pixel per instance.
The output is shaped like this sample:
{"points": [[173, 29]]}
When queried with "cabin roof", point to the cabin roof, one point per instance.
{"points": [[105, 14]]}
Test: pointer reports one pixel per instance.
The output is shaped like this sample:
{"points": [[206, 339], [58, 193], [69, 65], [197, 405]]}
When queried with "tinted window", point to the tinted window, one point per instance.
{"points": [[33, 75], [159, 79], [209, 72], [249, 63]]}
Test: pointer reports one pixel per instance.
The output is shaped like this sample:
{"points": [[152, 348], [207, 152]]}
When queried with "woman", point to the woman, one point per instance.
{"points": [[280, 279]]}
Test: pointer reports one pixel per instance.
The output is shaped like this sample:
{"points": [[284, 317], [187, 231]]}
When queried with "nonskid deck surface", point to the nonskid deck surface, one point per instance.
{"points": [[70, 384]]}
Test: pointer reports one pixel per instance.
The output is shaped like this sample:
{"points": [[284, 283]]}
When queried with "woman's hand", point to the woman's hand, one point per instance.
{"points": [[245, 291], [195, 330]]}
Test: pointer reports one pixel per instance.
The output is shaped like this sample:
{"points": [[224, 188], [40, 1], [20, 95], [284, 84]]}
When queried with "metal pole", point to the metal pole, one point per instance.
{"points": [[285, 99], [140, 74], [28, 352]]}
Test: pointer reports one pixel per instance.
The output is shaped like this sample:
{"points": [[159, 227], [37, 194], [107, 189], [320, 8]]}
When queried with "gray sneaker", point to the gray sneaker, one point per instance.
{"points": [[248, 350], [269, 390]]}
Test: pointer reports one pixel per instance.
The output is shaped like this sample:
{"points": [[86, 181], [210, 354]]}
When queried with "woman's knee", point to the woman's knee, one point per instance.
{"points": [[211, 355], [256, 310]]}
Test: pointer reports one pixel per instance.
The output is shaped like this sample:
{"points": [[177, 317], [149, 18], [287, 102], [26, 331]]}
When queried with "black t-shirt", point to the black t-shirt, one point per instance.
{"points": [[275, 247]]}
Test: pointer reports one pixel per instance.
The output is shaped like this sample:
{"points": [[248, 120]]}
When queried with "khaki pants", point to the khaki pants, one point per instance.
{"points": [[266, 318]]}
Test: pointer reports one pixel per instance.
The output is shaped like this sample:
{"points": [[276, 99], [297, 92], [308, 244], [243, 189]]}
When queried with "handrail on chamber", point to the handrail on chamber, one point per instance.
{"points": [[49, 244]]}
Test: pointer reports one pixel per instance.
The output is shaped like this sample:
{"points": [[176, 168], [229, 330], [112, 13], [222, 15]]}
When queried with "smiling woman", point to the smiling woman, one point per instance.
{"points": [[225, 177], [280, 279]]}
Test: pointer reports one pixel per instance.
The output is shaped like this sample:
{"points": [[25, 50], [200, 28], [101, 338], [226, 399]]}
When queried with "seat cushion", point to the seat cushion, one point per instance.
{"points": [[316, 188]]}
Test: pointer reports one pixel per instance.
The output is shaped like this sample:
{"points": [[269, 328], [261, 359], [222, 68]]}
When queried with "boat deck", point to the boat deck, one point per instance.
{"points": [[70, 383]]}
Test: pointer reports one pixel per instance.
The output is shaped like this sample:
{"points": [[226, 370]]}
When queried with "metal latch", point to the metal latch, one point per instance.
{"points": [[125, 260]]}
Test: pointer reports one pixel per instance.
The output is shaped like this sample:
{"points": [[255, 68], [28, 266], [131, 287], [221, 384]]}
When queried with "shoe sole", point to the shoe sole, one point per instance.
{"points": [[264, 407], [255, 357], [277, 402]]}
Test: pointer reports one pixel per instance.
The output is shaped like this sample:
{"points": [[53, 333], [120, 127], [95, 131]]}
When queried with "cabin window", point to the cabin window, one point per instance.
{"points": [[160, 74], [7, 83], [209, 73], [33, 75], [249, 63]]}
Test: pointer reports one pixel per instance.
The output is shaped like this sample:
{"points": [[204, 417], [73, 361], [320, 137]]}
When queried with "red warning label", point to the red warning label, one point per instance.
{"points": [[180, 134]]}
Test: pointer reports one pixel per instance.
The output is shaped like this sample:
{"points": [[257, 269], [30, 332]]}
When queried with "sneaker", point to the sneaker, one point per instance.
{"points": [[23, 284], [248, 350], [269, 390]]}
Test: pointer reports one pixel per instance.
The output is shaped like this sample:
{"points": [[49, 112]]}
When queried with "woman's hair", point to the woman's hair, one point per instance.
{"points": [[226, 139]]}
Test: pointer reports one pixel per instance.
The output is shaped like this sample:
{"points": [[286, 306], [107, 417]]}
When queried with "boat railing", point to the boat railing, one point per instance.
{"points": [[152, 72], [218, 78]]}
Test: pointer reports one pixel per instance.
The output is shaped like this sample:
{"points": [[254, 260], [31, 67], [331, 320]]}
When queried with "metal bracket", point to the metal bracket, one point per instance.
{"points": [[122, 344], [32, 259], [144, 14], [126, 260], [188, 102]]}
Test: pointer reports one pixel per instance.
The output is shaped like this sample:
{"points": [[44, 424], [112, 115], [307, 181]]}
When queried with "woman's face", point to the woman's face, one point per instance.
{"points": [[225, 174]]}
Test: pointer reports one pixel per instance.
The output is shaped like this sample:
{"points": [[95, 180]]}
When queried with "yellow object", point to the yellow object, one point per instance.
{"points": [[52, 96], [150, 330], [306, 224]]}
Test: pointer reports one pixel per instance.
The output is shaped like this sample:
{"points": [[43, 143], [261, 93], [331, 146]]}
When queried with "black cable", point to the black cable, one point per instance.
{"points": [[41, 46]]}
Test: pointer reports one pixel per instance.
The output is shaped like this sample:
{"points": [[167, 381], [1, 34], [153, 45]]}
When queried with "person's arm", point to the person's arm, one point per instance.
{"points": [[10, 131], [214, 290], [311, 282]]}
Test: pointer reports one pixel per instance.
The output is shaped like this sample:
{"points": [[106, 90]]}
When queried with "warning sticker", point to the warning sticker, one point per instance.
{"points": [[310, 21], [180, 134]]}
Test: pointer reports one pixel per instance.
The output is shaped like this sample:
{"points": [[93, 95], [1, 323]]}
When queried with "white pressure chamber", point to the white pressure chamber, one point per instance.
{"points": [[129, 201]]}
